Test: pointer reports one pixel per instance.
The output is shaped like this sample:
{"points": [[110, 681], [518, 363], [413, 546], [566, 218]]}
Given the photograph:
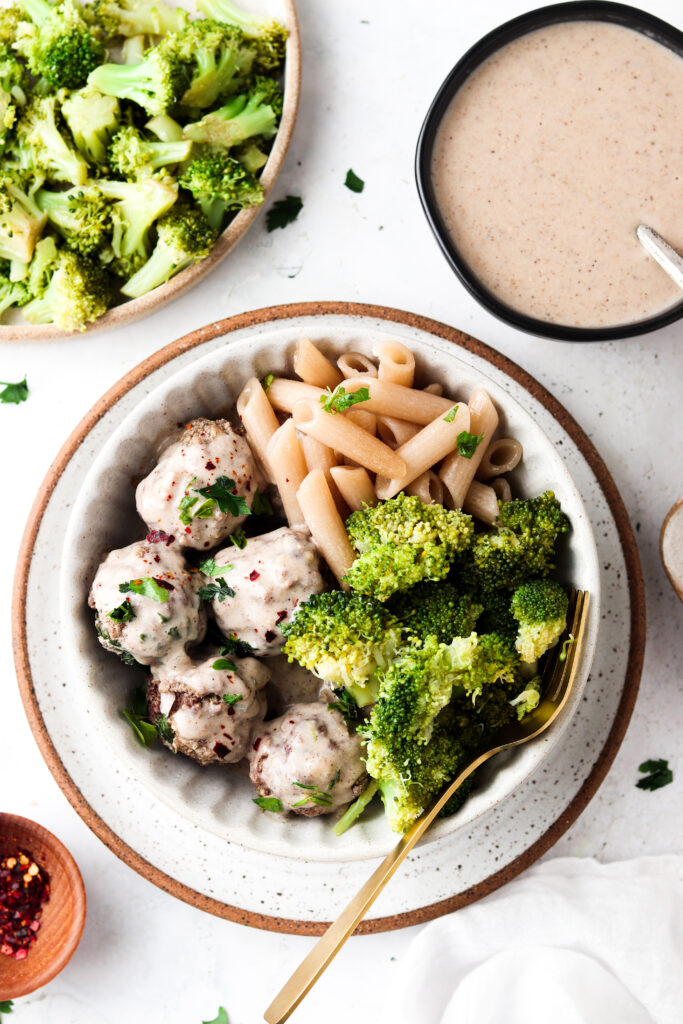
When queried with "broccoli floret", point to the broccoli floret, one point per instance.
{"points": [[268, 37], [9, 23], [132, 156], [12, 293], [220, 184], [212, 51], [156, 83], [21, 220], [528, 699], [540, 608], [41, 266], [42, 147], [58, 44], [137, 205], [78, 292], [250, 155], [12, 94], [243, 117], [92, 119], [138, 17], [81, 215], [184, 237], [436, 609], [522, 544], [343, 638], [403, 541]]}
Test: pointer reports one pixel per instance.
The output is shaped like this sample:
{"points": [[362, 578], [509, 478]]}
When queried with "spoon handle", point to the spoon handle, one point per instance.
{"points": [[668, 259]]}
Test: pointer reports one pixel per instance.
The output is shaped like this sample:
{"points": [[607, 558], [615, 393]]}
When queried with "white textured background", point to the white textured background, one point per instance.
{"points": [[370, 71]]}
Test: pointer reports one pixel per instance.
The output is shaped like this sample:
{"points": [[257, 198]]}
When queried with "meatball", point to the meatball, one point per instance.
{"points": [[211, 706], [146, 625], [308, 760], [270, 576], [208, 453]]}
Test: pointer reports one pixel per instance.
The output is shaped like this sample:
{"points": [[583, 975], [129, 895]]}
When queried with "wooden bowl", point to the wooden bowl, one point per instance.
{"points": [[63, 915], [671, 547]]}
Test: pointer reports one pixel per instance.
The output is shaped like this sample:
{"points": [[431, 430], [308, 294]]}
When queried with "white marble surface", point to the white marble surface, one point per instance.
{"points": [[370, 71]]}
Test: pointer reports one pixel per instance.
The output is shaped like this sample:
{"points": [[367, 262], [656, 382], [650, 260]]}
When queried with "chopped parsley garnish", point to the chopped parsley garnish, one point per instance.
{"points": [[353, 182], [261, 505], [346, 705], [565, 647], [147, 587], [222, 493], [209, 567], [124, 613], [239, 647], [239, 539], [219, 589], [283, 212], [450, 415], [13, 394], [136, 715], [658, 774], [268, 803], [7, 1004], [222, 1017], [174, 632], [467, 443], [340, 399], [314, 795], [164, 728], [232, 698], [224, 665], [267, 381]]}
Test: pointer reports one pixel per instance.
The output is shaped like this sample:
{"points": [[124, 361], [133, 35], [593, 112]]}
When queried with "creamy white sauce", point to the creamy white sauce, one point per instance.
{"points": [[548, 158]]}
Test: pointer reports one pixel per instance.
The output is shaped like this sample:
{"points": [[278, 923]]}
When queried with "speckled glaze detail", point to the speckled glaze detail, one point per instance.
{"points": [[438, 883]]}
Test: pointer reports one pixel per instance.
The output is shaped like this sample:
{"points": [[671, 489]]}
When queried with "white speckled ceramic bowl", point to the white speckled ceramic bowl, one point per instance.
{"points": [[104, 517]]}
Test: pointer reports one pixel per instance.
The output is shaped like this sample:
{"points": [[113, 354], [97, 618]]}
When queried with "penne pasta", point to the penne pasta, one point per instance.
{"points": [[313, 367], [501, 456], [427, 447], [457, 472], [387, 399], [283, 394], [502, 488], [428, 488], [326, 526], [258, 419], [354, 485], [481, 502], [396, 363], [288, 467], [319, 456], [352, 364], [341, 434], [434, 389], [395, 432], [363, 419]]}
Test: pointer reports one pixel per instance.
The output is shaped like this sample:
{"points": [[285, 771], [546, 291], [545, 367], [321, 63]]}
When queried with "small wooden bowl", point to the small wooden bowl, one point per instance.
{"points": [[63, 915], [669, 547]]}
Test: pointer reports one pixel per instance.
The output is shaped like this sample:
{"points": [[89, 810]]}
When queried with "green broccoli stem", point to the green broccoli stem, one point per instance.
{"points": [[161, 265], [38, 10], [161, 153], [355, 810], [231, 125], [214, 209], [127, 81], [223, 10]]}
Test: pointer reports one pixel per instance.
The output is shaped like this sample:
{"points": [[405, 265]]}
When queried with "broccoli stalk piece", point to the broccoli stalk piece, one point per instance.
{"points": [[184, 238], [41, 266], [249, 114], [139, 17], [436, 609], [12, 93], [165, 128], [12, 293], [403, 541], [133, 157], [78, 292], [220, 184], [41, 146], [251, 156], [21, 221], [137, 205], [540, 608], [92, 119], [354, 811], [214, 54], [58, 44], [527, 701], [267, 36], [156, 83], [345, 639], [81, 215]]}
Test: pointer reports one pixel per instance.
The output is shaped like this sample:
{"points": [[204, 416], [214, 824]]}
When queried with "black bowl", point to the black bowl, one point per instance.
{"points": [[584, 10]]}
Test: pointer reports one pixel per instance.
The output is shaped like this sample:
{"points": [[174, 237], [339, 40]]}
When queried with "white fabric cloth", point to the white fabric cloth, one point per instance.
{"points": [[571, 941]]}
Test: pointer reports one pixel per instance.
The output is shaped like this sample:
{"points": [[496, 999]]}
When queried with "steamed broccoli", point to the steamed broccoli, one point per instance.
{"points": [[58, 44], [220, 184], [540, 607], [343, 638], [250, 155], [82, 216], [436, 609], [403, 541], [40, 145], [92, 119], [21, 220], [137, 205], [12, 94], [255, 113], [184, 237], [132, 156], [156, 83], [214, 55], [528, 699], [267, 36], [77, 293], [9, 23], [138, 17], [12, 293]]}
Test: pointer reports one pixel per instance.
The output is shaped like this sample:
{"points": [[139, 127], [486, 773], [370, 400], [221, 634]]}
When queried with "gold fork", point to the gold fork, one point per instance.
{"points": [[558, 678]]}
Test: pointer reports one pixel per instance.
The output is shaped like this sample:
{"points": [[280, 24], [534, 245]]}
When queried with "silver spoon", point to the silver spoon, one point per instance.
{"points": [[668, 259]]}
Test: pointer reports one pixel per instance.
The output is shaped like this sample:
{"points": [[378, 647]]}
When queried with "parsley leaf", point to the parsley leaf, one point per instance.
{"points": [[224, 665], [222, 493], [261, 505], [283, 212], [222, 1017], [346, 705], [209, 567], [339, 399], [147, 587], [136, 716], [124, 613], [239, 539], [6, 1005], [659, 774], [174, 632], [467, 443], [239, 647], [232, 698], [268, 803], [219, 589], [267, 381], [13, 394], [450, 415], [164, 728], [353, 182]]}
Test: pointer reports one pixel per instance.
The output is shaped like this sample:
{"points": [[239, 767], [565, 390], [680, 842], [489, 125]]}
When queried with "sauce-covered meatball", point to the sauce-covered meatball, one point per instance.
{"points": [[211, 707], [208, 455], [147, 602], [270, 576], [308, 760]]}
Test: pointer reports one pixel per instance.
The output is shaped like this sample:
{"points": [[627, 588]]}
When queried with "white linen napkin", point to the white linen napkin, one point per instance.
{"points": [[571, 941]]}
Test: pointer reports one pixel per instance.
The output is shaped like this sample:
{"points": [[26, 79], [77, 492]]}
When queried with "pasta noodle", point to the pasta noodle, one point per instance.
{"points": [[288, 467], [352, 364], [457, 472], [434, 389], [481, 502], [387, 399], [396, 363], [326, 526], [362, 418], [355, 486], [283, 394], [319, 456], [501, 456], [313, 367], [428, 488], [395, 432], [502, 488], [259, 420], [339, 433], [427, 447]]}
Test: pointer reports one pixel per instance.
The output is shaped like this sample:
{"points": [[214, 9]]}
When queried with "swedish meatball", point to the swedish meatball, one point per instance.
{"points": [[211, 706], [270, 576], [308, 760], [146, 625], [208, 453]]}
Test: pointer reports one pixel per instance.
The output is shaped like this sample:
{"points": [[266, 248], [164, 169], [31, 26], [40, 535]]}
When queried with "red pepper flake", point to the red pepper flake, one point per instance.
{"points": [[220, 749], [253, 575], [187, 529], [164, 583], [257, 743], [280, 617], [270, 636], [160, 537], [209, 465], [24, 887]]}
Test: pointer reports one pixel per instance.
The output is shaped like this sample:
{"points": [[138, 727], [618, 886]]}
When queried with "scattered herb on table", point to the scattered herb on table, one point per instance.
{"points": [[450, 415], [156, 589], [283, 212], [353, 182], [13, 394], [339, 399], [222, 1017], [219, 589], [658, 774], [261, 505], [468, 443], [6, 1006], [136, 715], [269, 803]]}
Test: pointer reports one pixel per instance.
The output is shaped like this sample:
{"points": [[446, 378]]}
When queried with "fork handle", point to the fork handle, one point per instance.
{"points": [[327, 947]]}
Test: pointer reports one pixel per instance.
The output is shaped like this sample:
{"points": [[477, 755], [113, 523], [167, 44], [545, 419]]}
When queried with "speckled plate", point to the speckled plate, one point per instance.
{"points": [[285, 875]]}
